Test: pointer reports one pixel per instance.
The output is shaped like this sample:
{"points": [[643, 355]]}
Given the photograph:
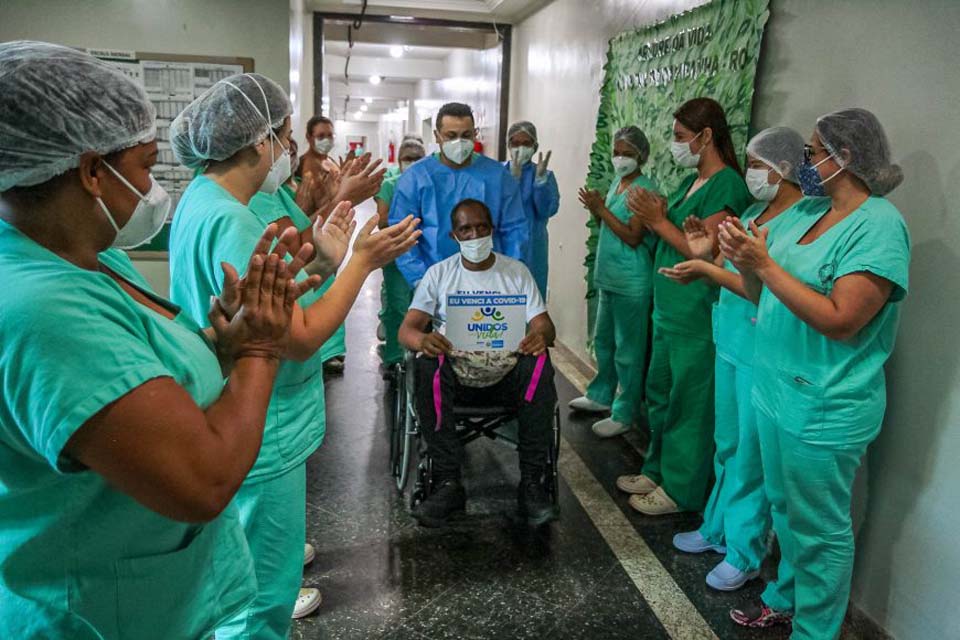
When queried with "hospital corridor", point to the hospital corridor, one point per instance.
{"points": [[479, 320]]}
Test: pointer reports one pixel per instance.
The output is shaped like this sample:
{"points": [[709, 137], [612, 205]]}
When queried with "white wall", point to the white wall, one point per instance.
{"points": [[898, 60], [258, 29]]}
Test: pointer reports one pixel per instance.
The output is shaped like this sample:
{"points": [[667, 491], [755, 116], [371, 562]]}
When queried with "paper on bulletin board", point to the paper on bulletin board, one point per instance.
{"points": [[486, 323]]}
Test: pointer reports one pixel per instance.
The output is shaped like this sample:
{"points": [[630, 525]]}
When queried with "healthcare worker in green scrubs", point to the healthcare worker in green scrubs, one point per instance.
{"points": [[395, 292], [736, 519], [624, 277], [829, 299], [677, 471], [120, 445], [236, 131]]}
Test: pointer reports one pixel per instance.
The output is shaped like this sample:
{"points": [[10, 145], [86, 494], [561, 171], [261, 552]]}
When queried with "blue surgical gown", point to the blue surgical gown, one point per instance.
{"points": [[429, 190], [541, 201]]}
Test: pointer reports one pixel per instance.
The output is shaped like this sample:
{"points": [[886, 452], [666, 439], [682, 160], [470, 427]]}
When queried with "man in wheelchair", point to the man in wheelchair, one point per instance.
{"points": [[445, 377]]}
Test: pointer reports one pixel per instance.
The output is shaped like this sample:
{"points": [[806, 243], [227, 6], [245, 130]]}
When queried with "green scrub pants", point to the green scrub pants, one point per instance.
{"points": [[809, 487], [273, 514], [395, 298], [337, 344], [680, 413], [620, 343], [737, 514]]}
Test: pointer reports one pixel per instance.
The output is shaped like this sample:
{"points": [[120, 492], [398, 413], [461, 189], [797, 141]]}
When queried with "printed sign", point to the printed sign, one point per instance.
{"points": [[486, 323]]}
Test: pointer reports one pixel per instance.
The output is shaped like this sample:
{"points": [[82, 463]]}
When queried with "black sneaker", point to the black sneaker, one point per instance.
{"points": [[534, 503], [449, 498]]}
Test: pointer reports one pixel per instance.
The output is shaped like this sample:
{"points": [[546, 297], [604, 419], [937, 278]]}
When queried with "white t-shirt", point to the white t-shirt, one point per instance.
{"points": [[449, 277], [506, 277]]}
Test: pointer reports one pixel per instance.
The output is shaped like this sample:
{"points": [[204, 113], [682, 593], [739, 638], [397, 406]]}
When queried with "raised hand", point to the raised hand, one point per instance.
{"points": [[543, 164], [699, 238], [231, 293], [650, 207], [332, 236], [591, 200], [747, 251], [261, 325], [377, 248], [358, 184], [516, 169], [684, 272]]}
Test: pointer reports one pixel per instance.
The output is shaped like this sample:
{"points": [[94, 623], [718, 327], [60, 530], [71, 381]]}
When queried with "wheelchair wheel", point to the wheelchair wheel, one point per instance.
{"points": [[424, 484], [402, 433], [553, 464]]}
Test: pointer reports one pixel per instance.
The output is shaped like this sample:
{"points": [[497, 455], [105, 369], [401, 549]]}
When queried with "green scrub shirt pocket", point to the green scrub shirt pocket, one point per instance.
{"points": [[299, 416], [801, 410]]}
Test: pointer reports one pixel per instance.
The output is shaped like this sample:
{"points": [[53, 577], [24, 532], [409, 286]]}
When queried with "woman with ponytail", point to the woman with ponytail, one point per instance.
{"points": [[677, 471]]}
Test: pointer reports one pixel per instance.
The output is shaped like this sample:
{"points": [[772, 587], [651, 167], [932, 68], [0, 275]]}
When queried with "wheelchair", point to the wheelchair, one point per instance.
{"points": [[471, 423]]}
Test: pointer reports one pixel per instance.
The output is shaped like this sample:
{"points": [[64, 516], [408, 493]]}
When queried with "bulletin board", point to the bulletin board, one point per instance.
{"points": [[172, 81]]}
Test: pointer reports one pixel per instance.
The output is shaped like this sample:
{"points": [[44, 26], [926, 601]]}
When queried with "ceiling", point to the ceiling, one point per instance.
{"points": [[503, 11], [369, 50]]}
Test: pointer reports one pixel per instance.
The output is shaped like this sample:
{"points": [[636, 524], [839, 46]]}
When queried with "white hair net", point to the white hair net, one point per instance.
{"points": [[634, 137], [523, 126], [234, 113], [859, 131], [412, 143], [780, 148], [57, 103]]}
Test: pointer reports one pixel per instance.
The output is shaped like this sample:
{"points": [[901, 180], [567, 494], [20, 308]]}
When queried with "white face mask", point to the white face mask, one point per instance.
{"points": [[147, 219], [323, 146], [521, 155], [624, 165], [476, 250], [683, 154], [279, 170], [760, 188], [457, 151]]}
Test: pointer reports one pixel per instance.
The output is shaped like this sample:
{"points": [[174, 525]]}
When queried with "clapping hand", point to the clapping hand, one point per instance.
{"points": [[747, 251], [699, 238], [650, 207], [591, 200]]}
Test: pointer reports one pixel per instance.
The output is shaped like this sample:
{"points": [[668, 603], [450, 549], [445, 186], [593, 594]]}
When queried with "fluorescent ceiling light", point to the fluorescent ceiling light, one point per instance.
{"points": [[396, 51], [375, 80], [363, 108], [368, 100]]}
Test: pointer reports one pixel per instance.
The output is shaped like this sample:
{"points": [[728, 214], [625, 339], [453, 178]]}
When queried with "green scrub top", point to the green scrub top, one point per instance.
{"points": [[77, 554], [734, 318], [211, 226], [824, 391], [686, 309], [620, 268], [388, 187]]}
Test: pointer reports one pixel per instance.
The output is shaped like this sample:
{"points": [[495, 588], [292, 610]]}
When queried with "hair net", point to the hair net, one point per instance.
{"points": [[523, 127], [232, 114], [634, 137], [412, 143], [412, 136], [780, 148], [58, 103], [859, 131]]}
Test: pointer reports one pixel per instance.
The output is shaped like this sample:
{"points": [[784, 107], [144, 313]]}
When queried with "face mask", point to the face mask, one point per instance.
{"points": [[279, 171], [811, 184], [476, 250], [683, 155], [624, 165], [147, 219], [457, 151], [759, 186], [323, 146], [521, 155]]}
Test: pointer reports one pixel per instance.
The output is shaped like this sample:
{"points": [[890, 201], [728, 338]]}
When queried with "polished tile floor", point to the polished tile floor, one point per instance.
{"points": [[602, 572]]}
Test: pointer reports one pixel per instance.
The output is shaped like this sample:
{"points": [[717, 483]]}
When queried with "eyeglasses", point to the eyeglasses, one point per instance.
{"points": [[809, 151]]}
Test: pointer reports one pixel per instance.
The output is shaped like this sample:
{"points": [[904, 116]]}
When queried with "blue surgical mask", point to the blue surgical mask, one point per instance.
{"points": [[811, 184]]}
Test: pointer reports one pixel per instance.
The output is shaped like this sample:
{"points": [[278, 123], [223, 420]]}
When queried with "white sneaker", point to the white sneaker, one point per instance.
{"points": [[639, 485], [726, 577], [309, 553], [655, 503], [585, 404], [307, 602], [609, 428]]}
